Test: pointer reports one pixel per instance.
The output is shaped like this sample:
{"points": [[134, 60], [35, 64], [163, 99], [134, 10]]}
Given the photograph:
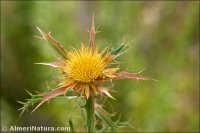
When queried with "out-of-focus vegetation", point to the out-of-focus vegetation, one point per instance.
{"points": [[166, 43]]}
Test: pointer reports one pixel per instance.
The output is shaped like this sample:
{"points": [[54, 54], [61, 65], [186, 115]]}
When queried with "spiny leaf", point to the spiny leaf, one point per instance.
{"points": [[119, 50], [37, 98], [28, 103], [123, 124], [105, 117], [34, 99], [107, 121], [103, 129]]}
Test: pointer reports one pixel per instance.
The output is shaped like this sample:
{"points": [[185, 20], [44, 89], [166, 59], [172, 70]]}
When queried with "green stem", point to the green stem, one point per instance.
{"points": [[90, 114]]}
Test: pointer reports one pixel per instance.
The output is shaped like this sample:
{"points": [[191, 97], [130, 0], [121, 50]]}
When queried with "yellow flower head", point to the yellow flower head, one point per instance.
{"points": [[84, 65], [85, 68]]}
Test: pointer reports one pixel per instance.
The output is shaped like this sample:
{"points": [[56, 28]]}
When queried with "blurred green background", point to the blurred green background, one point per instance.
{"points": [[166, 43]]}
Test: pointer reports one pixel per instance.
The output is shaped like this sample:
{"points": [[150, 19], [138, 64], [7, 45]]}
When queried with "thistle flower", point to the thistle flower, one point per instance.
{"points": [[85, 70]]}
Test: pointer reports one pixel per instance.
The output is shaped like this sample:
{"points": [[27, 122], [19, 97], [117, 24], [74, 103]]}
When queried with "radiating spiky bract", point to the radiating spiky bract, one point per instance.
{"points": [[85, 69]]}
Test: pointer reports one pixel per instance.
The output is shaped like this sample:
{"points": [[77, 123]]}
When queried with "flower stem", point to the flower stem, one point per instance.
{"points": [[90, 114]]}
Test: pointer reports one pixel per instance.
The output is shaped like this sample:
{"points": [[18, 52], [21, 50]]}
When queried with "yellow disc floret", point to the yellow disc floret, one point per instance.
{"points": [[85, 65]]}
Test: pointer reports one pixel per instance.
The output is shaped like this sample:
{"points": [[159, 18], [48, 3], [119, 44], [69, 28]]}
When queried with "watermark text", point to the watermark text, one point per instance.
{"points": [[34, 129]]}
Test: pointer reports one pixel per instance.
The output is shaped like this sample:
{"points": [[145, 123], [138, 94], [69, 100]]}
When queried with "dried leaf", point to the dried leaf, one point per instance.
{"points": [[51, 95], [53, 64], [92, 33], [56, 44], [105, 91], [128, 75]]}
